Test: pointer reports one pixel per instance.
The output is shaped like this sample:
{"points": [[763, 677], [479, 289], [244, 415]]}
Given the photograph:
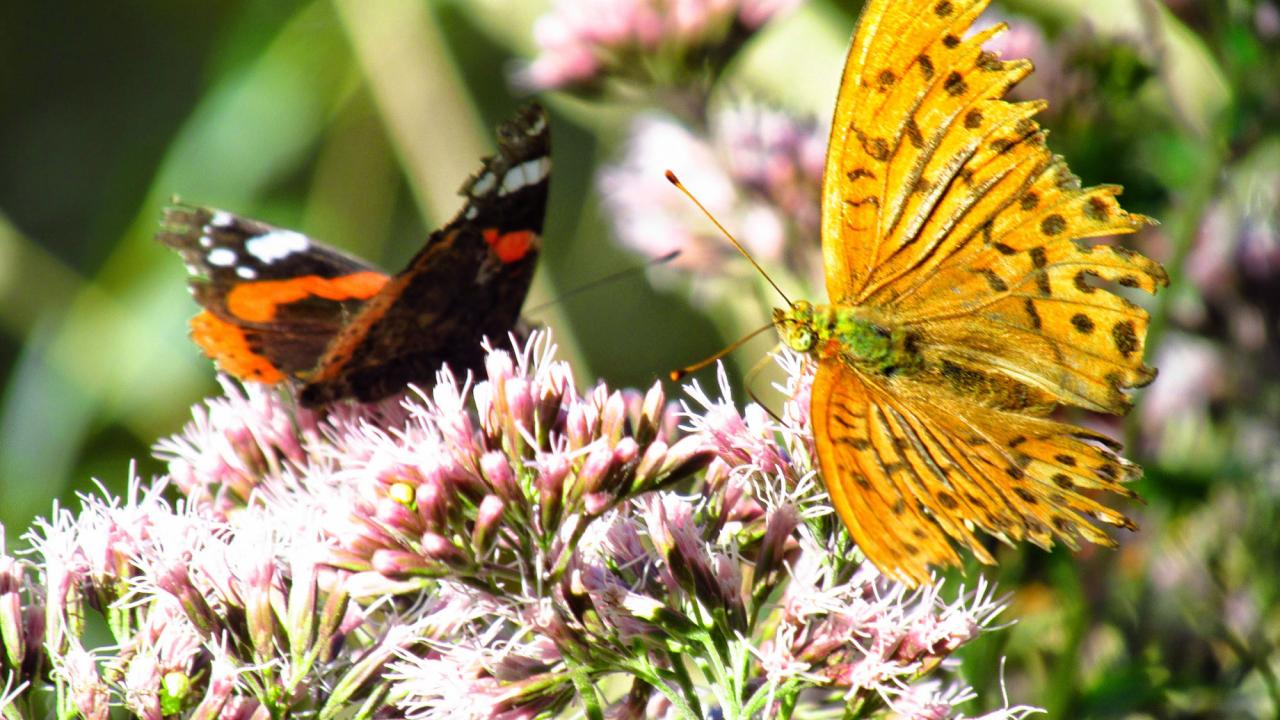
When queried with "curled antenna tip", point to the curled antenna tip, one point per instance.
{"points": [[671, 177]]}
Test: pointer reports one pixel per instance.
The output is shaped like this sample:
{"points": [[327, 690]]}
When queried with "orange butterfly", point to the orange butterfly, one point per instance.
{"points": [[963, 311]]}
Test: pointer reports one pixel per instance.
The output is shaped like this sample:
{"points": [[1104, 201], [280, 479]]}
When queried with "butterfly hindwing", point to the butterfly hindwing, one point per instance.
{"points": [[915, 467], [865, 490]]}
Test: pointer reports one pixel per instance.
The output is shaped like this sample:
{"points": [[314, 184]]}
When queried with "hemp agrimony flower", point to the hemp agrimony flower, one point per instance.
{"points": [[499, 547]]}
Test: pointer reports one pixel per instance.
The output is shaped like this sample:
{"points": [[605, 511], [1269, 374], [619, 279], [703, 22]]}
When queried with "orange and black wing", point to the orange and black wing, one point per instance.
{"points": [[272, 299], [945, 211], [467, 283], [946, 217], [915, 467]]}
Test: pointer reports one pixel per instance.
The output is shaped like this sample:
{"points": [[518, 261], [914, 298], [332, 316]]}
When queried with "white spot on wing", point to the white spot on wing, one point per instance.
{"points": [[538, 125], [276, 245], [247, 273], [221, 257], [222, 218], [483, 184], [206, 241], [526, 173]]}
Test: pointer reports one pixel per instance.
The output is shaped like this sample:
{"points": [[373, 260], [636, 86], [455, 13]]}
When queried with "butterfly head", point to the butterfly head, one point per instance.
{"points": [[796, 326]]}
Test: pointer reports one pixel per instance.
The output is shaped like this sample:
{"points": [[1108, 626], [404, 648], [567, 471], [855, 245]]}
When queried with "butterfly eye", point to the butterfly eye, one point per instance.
{"points": [[800, 339]]}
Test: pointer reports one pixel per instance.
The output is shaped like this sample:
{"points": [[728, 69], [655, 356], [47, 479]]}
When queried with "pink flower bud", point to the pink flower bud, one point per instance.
{"points": [[433, 500], [613, 418], [257, 596], [551, 490], [394, 563], [596, 503], [497, 472], [654, 457], [438, 547], [594, 470], [651, 414], [778, 528], [488, 519], [578, 427], [393, 514], [625, 451], [519, 405]]}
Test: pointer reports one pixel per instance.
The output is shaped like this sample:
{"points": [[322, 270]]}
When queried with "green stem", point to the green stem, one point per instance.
{"points": [[588, 692], [723, 686], [685, 700]]}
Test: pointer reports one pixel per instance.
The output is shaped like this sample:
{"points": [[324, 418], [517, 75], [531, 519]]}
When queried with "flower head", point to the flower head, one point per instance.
{"points": [[758, 171], [584, 42], [493, 548]]}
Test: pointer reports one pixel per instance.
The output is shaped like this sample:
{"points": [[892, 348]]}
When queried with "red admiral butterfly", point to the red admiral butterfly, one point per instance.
{"points": [[279, 305]]}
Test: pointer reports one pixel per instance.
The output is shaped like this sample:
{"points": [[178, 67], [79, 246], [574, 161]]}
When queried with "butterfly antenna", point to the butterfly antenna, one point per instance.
{"points": [[676, 181], [611, 277], [684, 371]]}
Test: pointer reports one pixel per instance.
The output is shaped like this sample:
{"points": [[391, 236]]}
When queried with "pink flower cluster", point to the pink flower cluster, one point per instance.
{"points": [[500, 548], [759, 172], [582, 41]]}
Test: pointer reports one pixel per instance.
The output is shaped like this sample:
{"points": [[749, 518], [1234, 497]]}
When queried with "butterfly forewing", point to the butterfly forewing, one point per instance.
{"points": [[280, 306], [892, 65], [468, 282], [272, 298]]}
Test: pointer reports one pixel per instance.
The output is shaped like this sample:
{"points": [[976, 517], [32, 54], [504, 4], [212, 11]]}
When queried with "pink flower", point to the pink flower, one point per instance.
{"points": [[583, 42], [759, 172], [233, 442], [1193, 373], [492, 548]]}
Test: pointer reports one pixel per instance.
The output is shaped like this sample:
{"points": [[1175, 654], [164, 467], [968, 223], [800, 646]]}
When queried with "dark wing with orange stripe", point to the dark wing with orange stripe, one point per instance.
{"points": [[272, 299], [468, 282]]}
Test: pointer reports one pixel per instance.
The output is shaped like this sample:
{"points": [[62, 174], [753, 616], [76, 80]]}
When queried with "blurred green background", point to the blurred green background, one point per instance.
{"points": [[356, 122]]}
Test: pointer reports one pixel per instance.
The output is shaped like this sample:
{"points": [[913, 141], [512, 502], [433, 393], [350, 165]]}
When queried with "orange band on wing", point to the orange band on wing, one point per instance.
{"points": [[512, 246], [225, 343], [257, 301]]}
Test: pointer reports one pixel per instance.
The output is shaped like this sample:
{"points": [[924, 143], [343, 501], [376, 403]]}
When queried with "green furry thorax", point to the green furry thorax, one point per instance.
{"points": [[828, 331]]}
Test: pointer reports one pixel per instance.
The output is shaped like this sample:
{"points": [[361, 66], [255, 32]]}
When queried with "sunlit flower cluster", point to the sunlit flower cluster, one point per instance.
{"points": [[498, 548]]}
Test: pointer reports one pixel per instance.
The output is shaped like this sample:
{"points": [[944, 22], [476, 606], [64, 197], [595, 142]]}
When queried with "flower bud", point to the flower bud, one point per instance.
{"points": [[613, 419], [438, 547], [595, 469], [488, 520], [551, 490], [778, 528], [649, 425], [497, 472]]}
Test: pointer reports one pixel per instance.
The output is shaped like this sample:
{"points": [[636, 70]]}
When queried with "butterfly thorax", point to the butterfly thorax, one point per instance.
{"points": [[846, 333]]}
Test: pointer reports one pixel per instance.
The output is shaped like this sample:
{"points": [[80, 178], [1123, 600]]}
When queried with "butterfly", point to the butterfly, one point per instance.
{"points": [[963, 307], [278, 305]]}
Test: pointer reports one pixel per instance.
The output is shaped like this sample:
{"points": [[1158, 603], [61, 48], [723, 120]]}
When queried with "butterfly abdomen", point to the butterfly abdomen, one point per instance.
{"points": [[991, 389]]}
